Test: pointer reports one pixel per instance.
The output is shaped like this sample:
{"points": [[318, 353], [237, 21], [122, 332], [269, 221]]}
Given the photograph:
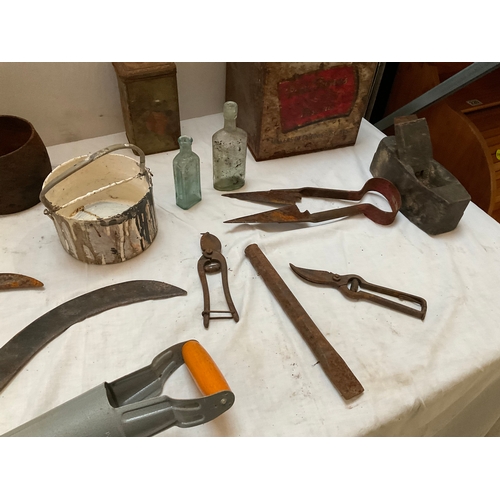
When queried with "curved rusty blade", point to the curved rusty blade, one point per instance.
{"points": [[9, 281], [318, 277], [22, 347]]}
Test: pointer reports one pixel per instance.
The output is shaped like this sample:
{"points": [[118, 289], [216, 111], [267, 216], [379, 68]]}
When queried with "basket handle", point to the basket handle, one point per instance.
{"points": [[90, 158]]}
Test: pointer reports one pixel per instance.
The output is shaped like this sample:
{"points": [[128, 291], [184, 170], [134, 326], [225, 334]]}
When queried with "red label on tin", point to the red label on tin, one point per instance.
{"points": [[317, 96]]}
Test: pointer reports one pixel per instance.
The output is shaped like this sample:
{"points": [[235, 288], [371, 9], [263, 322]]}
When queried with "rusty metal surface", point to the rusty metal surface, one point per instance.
{"points": [[332, 363], [24, 164], [10, 281], [352, 285], [432, 198], [299, 107], [22, 347], [291, 213], [150, 105], [212, 261]]}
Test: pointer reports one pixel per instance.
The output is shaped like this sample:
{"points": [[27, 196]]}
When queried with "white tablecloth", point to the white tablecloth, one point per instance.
{"points": [[432, 378]]}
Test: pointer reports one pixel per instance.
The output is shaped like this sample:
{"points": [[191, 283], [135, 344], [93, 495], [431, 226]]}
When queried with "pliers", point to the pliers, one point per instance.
{"points": [[212, 261], [352, 285]]}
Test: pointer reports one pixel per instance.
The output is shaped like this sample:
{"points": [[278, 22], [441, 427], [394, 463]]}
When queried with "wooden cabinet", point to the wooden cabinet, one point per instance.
{"points": [[464, 127]]}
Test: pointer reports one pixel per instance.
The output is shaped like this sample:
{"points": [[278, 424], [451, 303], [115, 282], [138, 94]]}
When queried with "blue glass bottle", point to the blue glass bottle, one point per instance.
{"points": [[187, 174]]}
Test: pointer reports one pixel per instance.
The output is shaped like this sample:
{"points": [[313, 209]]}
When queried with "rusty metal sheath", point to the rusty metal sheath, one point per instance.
{"points": [[332, 363]]}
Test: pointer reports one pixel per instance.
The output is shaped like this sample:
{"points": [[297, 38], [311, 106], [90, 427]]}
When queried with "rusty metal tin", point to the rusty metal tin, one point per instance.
{"points": [[293, 108], [24, 164], [150, 104], [102, 206]]}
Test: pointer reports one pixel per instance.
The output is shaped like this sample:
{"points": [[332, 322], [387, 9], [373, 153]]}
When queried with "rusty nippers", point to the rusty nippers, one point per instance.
{"points": [[212, 261]]}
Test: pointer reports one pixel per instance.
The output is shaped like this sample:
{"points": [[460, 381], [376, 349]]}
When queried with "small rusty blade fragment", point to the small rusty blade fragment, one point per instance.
{"points": [[10, 281]]}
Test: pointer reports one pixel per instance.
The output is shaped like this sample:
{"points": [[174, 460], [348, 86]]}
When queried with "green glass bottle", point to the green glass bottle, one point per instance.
{"points": [[187, 174], [229, 150]]}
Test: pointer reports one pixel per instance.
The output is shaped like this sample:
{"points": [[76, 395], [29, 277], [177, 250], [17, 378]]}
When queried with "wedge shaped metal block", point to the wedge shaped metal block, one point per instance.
{"points": [[433, 200]]}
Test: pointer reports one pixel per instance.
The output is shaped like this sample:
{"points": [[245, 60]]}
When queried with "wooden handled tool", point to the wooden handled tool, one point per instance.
{"points": [[332, 363]]}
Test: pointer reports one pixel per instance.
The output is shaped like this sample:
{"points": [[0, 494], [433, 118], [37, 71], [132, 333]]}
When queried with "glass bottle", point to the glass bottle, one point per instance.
{"points": [[229, 150], [187, 174]]}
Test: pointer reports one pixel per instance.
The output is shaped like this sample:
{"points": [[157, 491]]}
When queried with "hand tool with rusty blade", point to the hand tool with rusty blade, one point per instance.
{"points": [[212, 261], [10, 281], [291, 212], [351, 286], [333, 365], [23, 346], [133, 404]]}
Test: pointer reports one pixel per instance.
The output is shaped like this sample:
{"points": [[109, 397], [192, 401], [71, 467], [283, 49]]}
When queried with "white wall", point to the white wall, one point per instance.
{"points": [[68, 102]]}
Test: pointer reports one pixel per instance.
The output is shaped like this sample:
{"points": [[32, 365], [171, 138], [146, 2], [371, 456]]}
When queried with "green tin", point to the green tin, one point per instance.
{"points": [[150, 104]]}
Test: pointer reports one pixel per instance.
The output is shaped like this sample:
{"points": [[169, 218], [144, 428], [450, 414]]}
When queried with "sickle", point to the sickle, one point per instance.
{"points": [[16, 353]]}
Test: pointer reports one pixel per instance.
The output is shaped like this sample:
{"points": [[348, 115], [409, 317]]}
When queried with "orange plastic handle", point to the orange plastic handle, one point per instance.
{"points": [[203, 369]]}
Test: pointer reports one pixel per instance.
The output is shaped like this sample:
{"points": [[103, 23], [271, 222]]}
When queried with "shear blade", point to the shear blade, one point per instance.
{"points": [[290, 213], [319, 277], [276, 196], [9, 281]]}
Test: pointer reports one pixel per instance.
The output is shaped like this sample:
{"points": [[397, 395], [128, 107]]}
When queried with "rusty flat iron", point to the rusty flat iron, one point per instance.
{"points": [[291, 213], [353, 287], [212, 261], [432, 198], [12, 281]]}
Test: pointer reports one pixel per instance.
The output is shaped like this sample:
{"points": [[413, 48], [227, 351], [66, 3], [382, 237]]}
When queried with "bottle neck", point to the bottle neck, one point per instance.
{"points": [[230, 124], [185, 148]]}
